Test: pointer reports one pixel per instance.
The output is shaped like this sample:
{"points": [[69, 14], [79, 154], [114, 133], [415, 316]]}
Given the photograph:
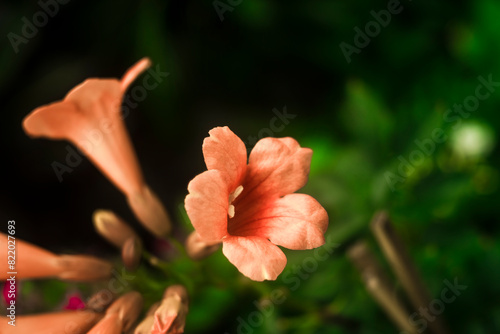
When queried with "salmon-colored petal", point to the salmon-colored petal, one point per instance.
{"points": [[133, 72], [58, 120], [255, 257], [170, 316], [163, 325], [277, 167], [88, 95], [90, 118], [207, 205], [147, 323], [75, 322], [296, 221], [226, 152]]}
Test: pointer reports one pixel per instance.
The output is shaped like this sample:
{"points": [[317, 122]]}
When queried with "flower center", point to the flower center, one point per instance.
{"points": [[232, 197]]}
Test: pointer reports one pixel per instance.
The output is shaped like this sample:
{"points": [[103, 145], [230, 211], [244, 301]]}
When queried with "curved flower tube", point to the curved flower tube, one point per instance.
{"points": [[251, 208], [75, 322], [90, 118], [36, 262]]}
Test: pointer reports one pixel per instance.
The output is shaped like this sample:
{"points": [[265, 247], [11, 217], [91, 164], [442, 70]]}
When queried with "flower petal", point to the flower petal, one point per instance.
{"points": [[277, 167], [296, 221], [207, 205], [55, 121], [225, 151], [90, 118], [255, 257], [106, 141], [133, 72]]}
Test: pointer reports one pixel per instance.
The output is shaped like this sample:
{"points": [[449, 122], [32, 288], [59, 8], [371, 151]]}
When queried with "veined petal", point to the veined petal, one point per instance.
{"points": [[170, 316], [295, 221], [147, 323], [207, 205], [277, 167], [255, 257], [226, 152]]}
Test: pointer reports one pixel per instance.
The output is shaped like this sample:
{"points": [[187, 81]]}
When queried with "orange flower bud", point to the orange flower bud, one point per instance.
{"points": [[197, 248], [170, 316], [120, 316], [147, 323], [132, 253], [112, 228]]}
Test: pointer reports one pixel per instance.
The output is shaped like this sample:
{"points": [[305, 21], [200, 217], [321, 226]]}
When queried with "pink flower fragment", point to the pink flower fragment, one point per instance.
{"points": [[74, 302], [7, 292], [90, 118], [251, 208]]}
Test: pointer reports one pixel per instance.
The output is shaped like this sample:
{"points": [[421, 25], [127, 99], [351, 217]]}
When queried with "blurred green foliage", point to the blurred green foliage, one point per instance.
{"points": [[358, 117]]}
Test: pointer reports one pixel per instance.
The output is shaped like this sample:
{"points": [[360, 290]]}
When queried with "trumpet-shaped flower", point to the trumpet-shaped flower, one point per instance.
{"points": [[35, 262], [76, 322], [251, 208], [90, 117]]}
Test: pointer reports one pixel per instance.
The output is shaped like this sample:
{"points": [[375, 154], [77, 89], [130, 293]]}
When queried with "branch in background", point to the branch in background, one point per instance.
{"points": [[379, 285], [403, 267]]}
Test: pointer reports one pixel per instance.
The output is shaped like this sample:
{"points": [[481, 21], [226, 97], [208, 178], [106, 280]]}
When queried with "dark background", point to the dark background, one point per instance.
{"points": [[358, 117]]}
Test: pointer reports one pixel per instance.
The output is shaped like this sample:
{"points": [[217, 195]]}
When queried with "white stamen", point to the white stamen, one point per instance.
{"points": [[230, 211], [235, 194], [232, 197]]}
